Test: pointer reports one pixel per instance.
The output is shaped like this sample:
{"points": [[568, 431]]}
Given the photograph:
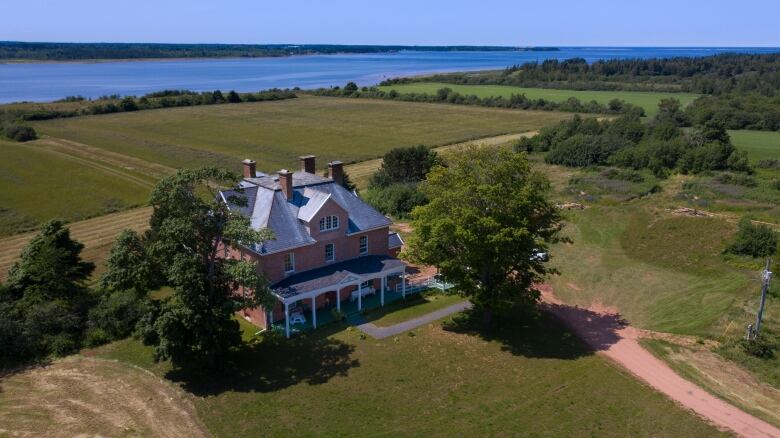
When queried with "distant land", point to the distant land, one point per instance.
{"points": [[41, 51]]}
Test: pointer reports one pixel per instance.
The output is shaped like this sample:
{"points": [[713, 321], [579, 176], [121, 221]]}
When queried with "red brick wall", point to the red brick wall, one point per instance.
{"points": [[313, 256]]}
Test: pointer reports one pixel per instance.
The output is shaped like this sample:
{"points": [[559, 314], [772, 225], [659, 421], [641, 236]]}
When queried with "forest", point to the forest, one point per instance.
{"points": [[13, 50]]}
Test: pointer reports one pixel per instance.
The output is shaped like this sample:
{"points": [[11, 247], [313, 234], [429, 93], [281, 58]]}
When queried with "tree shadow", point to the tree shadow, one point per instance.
{"points": [[544, 332], [273, 363], [599, 331]]}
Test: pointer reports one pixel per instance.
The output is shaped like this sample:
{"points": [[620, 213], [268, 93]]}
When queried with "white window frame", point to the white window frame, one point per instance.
{"points": [[363, 245], [332, 246], [291, 256], [329, 223]]}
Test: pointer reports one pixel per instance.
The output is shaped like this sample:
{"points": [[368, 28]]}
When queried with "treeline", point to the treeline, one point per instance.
{"points": [[741, 91], [12, 121], [719, 74], [75, 51], [515, 101], [660, 146]]}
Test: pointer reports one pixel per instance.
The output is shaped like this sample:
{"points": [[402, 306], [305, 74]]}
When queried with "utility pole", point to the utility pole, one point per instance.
{"points": [[766, 276]]}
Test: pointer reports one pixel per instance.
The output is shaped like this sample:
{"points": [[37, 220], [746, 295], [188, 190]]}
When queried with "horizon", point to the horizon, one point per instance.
{"points": [[724, 46], [348, 22]]}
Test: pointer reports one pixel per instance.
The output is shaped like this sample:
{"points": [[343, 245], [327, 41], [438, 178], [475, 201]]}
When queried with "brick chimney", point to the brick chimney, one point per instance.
{"points": [[307, 163], [249, 168], [336, 172], [285, 181]]}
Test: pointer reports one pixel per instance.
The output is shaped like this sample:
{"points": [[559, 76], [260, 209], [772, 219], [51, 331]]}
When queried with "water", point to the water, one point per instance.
{"points": [[50, 81]]}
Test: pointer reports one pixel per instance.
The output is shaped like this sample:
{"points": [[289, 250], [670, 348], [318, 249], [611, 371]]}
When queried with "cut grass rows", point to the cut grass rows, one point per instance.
{"points": [[276, 133]]}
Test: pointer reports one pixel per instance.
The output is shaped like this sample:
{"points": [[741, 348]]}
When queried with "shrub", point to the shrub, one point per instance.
{"points": [[759, 347], [736, 179], [585, 150], [754, 240], [20, 133], [775, 184], [116, 314], [395, 199]]}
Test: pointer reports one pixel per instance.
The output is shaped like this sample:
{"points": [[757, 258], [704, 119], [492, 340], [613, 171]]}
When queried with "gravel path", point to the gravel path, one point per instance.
{"points": [[384, 332], [610, 335]]}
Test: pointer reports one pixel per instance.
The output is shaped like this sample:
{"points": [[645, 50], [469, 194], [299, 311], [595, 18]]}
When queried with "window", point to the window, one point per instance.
{"points": [[289, 262], [329, 223], [330, 252], [365, 284], [364, 244]]}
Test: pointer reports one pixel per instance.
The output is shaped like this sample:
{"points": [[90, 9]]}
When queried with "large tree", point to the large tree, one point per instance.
{"points": [[45, 302], [190, 227], [488, 218]]}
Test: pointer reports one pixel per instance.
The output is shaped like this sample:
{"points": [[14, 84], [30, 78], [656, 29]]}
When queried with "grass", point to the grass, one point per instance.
{"points": [[39, 184], [415, 306], [276, 133], [662, 272], [647, 100], [760, 145], [528, 376]]}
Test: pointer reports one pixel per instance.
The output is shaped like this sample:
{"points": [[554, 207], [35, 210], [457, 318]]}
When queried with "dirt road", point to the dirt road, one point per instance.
{"points": [[611, 336]]}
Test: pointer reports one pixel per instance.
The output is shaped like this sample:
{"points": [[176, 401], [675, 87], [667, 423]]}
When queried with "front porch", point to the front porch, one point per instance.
{"points": [[349, 309], [308, 299]]}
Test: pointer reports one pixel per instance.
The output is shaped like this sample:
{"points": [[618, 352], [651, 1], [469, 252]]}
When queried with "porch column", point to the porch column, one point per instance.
{"points": [[403, 284], [314, 311], [338, 299], [286, 319], [382, 292], [360, 297]]}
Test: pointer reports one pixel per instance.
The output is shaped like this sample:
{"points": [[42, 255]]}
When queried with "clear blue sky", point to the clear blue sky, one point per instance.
{"points": [[483, 22]]}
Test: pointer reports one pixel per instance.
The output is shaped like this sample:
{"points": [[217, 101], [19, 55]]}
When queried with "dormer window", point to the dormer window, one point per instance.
{"points": [[329, 223]]}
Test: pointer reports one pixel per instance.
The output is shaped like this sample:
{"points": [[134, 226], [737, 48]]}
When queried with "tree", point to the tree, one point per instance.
{"points": [[128, 104], [190, 226], [488, 217], [754, 240], [128, 267], [350, 88], [233, 97], [45, 301], [20, 133], [405, 165]]}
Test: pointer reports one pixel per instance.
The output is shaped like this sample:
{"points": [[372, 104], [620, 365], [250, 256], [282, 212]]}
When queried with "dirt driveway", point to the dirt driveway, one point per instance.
{"points": [[611, 336]]}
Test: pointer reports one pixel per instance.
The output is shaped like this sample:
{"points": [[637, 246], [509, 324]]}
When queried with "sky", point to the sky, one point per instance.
{"points": [[404, 22]]}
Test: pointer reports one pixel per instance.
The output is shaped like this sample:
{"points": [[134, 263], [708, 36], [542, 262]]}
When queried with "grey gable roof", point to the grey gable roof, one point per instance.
{"points": [[268, 208]]}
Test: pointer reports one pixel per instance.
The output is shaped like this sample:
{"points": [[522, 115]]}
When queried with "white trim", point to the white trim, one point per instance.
{"points": [[360, 245], [292, 262], [333, 253], [279, 250]]}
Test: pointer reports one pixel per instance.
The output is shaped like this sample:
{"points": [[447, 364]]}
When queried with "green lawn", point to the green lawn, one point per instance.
{"points": [[530, 377], [760, 145], [662, 272], [647, 100], [414, 306], [276, 133], [37, 184]]}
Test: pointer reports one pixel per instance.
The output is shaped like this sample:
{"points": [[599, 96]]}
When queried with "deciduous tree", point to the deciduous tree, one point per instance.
{"points": [[488, 217], [190, 226]]}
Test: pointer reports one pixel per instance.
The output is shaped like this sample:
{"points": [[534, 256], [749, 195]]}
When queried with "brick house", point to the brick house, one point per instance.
{"points": [[329, 246]]}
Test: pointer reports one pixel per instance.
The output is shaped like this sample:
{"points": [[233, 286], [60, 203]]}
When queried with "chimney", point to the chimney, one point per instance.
{"points": [[249, 168], [336, 172], [285, 181], [307, 163]]}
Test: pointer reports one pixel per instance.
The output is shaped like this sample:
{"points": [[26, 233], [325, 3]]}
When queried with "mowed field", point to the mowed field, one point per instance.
{"points": [[760, 145], [90, 166], [276, 133], [647, 100], [441, 380], [38, 183]]}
